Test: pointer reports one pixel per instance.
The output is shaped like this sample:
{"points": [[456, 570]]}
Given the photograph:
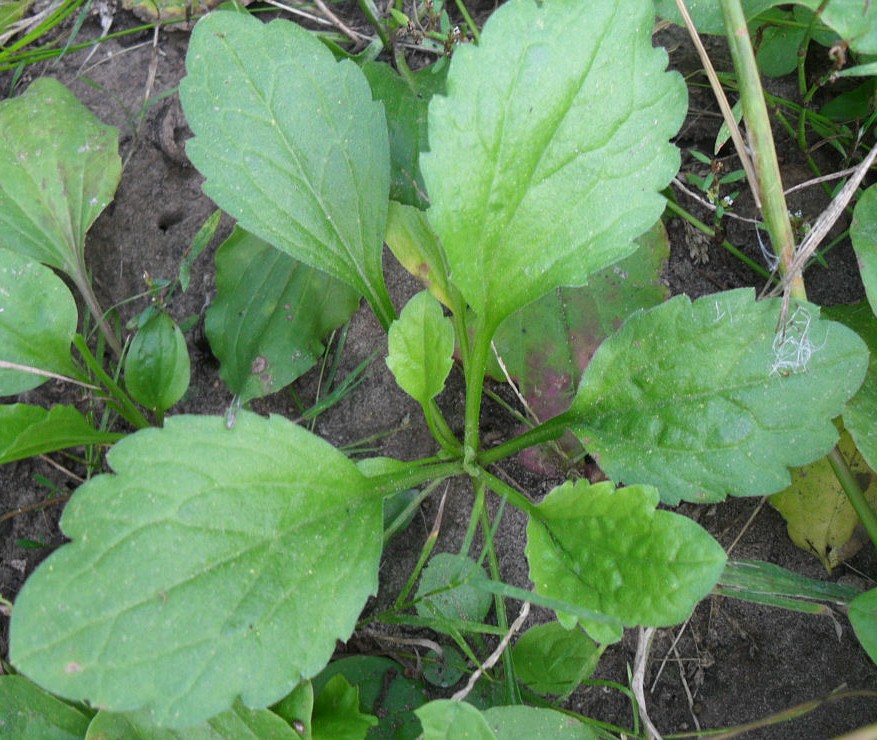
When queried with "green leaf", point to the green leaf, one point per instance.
{"points": [[861, 411], [26, 431], [421, 348], [863, 234], [551, 659], [818, 514], [454, 579], [863, 617], [237, 723], [564, 145], [702, 400], [196, 571], [444, 719], [297, 708], [157, 366], [37, 322], [26, 711], [413, 242], [292, 145], [55, 178], [337, 715], [406, 107], [546, 345], [777, 53], [524, 723], [270, 315], [384, 691], [652, 575]]}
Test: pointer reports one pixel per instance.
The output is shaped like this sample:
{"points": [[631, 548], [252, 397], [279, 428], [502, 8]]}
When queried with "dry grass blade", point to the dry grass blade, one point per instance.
{"points": [[724, 105], [26, 25]]}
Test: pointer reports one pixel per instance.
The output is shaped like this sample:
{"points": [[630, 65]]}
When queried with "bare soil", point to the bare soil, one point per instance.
{"points": [[733, 663]]}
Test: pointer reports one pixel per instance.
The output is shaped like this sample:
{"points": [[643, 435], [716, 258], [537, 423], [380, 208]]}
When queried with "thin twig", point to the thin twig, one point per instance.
{"points": [[495, 655], [345, 29], [816, 180], [724, 105], [69, 473], [35, 507], [706, 204], [512, 385]]}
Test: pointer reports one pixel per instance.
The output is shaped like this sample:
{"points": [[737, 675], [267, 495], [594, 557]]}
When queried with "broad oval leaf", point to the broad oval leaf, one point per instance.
{"points": [[614, 552], [525, 723], [37, 322], [702, 400], [863, 616], [55, 178], [157, 366], [292, 145], [238, 723], [863, 235], [337, 713], [200, 571], [270, 315], [421, 348], [26, 711], [444, 719], [551, 659], [545, 170], [26, 431], [449, 589]]}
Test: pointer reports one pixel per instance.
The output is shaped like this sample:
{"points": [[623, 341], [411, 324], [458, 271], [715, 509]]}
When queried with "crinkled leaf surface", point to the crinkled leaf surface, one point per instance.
{"points": [[238, 723], [406, 108], [292, 145], [197, 570], [37, 322], [157, 366], [855, 21], [612, 551], [861, 411], [55, 178], [26, 711], [863, 616], [270, 315], [863, 234], [421, 348], [560, 118], [818, 514], [551, 659], [444, 719], [524, 723], [695, 399], [26, 431]]}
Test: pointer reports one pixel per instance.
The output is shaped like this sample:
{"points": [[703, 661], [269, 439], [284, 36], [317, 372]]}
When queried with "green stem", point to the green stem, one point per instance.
{"points": [[464, 11], [91, 301], [414, 476], [124, 404], [480, 351], [439, 428], [545, 432], [371, 13], [773, 202], [701, 226], [854, 493], [515, 497], [474, 517]]}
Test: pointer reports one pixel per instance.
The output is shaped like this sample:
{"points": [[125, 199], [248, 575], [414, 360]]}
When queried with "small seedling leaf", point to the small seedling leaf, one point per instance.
{"points": [[524, 723], [157, 366], [198, 572], [26, 711], [818, 514], [270, 315], [238, 722], [444, 719], [26, 431], [406, 108], [546, 169], [454, 578], [421, 348], [612, 551], [336, 712], [292, 145], [37, 322], [551, 659], [863, 616], [702, 400], [55, 177]]}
